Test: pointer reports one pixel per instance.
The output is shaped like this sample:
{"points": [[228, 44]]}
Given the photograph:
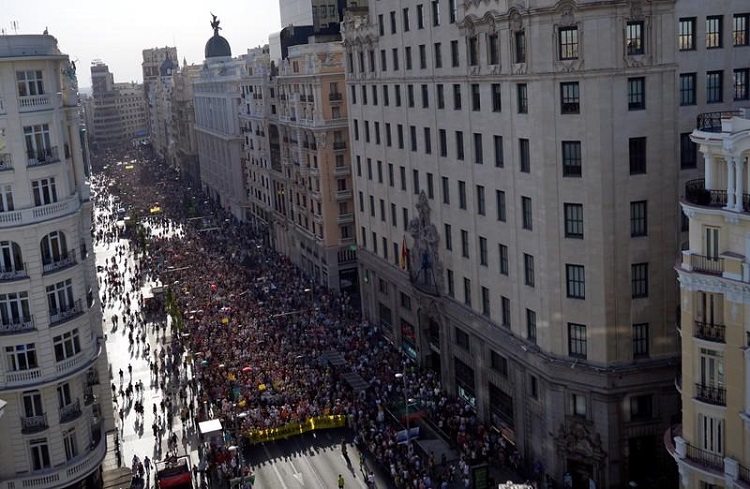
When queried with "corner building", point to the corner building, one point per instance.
{"points": [[516, 191], [53, 374]]}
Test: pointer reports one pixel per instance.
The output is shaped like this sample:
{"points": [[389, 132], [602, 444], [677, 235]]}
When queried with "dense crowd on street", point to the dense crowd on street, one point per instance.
{"points": [[253, 334]]}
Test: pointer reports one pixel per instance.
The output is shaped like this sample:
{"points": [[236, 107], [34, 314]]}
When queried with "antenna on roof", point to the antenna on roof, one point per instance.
{"points": [[14, 26]]}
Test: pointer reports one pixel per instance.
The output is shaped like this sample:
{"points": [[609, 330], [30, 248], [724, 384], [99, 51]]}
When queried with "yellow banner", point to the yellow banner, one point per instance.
{"points": [[293, 429]]}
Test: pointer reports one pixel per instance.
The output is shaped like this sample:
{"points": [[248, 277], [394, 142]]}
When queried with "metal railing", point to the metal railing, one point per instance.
{"points": [[70, 412], [42, 156], [34, 424], [743, 474], [711, 394], [707, 264], [709, 332], [334, 96], [8, 274], [65, 260], [711, 121], [339, 145], [6, 161], [703, 457], [57, 317], [17, 325], [696, 193]]}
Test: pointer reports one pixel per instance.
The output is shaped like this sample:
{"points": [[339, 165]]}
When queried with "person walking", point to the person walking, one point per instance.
{"points": [[341, 481], [147, 466]]}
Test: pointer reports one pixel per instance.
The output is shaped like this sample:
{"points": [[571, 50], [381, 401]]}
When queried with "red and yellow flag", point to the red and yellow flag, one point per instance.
{"points": [[404, 253]]}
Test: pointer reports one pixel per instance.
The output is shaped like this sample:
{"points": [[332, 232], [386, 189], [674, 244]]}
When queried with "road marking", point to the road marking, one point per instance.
{"points": [[273, 466], [296, 473]]}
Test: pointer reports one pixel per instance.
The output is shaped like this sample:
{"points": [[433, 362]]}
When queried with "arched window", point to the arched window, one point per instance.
{"points": [[53, 248], [11, 259]]}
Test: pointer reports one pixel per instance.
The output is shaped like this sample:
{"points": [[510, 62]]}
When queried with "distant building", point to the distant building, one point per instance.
{"points": [[153, 59], [160, 110], [54, 374], [183, 122], [133, 111]]}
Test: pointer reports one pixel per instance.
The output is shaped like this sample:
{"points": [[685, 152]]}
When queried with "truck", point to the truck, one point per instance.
{"points": [[174, 473]]}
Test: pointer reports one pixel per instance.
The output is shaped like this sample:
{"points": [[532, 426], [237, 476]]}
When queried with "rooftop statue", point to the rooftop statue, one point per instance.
{"points": [[215, 24]]}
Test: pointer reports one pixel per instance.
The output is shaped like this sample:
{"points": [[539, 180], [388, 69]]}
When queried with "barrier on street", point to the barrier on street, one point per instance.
{"points": [[294, 429]]}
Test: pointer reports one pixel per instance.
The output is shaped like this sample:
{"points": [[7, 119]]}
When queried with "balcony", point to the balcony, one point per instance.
{"points": [[89, 397], [6, 162], [342, 171], [41, 157], [335, 96], [343, 194], [33, 215], [696, 193], [52, 264], [709, 332], [23, 376], [711, 394], [339, 145], [57, 318], [70, 412], [706, 264], [17, 325], [711, 121], [12, 274], [345, 218], [705, 458], [34, 424], [31, 103], [315, 171]]}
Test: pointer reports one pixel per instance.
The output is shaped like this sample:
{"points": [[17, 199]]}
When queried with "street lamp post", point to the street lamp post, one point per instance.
{"points": [[406, 405]]}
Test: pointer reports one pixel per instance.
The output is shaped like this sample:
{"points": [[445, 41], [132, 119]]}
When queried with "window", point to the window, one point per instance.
{"points": [[430, 186], [21, 357], [505, 310], [446, 191], [639, 280], [448, 237], [386, 102], [533, 387], [415, 181], [637, 148], [457, 96], [452, 10], [523, 98], [519, 45], [686, 34], [467, 292], [711, 438], [688, 152], [443, 142], [498, 146], [462, 194], [577, 340], [11, 258], [464, 243], [486, 309], [440, 96], [741, 30], [578, 405], [476, 100], [14, 308], [32, 404], [636, 93], [393, 22], [60, 299], [405, 301], [574, 221], [500, 205], [496, 98], [493, 49], [460, 145], [449, 280], [640, 340], [526, 217], [6, 198], [400, 136], [382, 210], [369, 169], [454, 54], [381, 25], [568, 43], [71, 444], [569, 98], [528, 269], [394, 219], [404, 217], [420, 16], [634, 38], [390, 174], [364, 97], [502, 253], [425, 97], [406, 20], [413, 138], [740, 84], [639, 218], [395, 56], [473, 42], [40, 459], [410, 95], [531, 325], [436, 12], [462, 339], [714, 27], [478, 153], [714, 87], [576, 280], [483, 251], [687, 88], [38, 144], [525, 155], [480, 200], [571, 156], [30, 83]]}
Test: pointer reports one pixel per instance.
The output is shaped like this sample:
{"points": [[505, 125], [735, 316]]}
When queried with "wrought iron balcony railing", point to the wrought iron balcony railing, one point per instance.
{"points": [[70, 412], [43, 156], [711, 394], [34, 424], [64, 260], [709, 332]]}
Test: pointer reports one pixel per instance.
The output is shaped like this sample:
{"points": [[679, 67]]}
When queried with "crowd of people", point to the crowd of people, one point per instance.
{"points": [[255, 339]]}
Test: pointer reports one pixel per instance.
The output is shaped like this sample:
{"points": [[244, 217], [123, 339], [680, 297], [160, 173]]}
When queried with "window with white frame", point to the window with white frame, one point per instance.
{"points": [[577, 342], [711, 434], [576, 280], [53, 247], [30, 82], [70, 442], [64, 397], [568, 43], [6, 198], [573, 220], [44, 191], [14, 308], [578, 405], [21, 357], [32, 404], [39, 450], [11, 258], [60, 297], [66, 345]]}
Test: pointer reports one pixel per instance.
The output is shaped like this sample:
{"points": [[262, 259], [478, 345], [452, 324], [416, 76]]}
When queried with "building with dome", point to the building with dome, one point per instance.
{"points": [[53, 376], [160, 110]]}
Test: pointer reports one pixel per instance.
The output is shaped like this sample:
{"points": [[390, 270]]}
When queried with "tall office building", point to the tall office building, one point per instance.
{"points": [[317, 13], [517, 172], [106, 130], [54, 373], [153, 59]]}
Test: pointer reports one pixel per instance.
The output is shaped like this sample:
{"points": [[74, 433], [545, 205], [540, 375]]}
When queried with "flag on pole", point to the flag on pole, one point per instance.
{"points": [[403, 254]]}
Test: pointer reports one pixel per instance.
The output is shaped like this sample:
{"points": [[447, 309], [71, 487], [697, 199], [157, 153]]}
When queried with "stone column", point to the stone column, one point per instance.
{"points": [[730, 184], [709, 170], [739, 186]]}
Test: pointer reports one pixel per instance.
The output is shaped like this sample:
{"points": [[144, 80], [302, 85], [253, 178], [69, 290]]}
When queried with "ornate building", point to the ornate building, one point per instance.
{"points": [[542, 146], [54, 374]]}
